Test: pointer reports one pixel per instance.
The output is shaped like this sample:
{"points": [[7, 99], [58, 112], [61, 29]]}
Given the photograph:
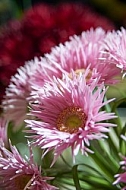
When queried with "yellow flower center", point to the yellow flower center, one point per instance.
{"points": [[22, 181], [71, 119], [78, 71]]}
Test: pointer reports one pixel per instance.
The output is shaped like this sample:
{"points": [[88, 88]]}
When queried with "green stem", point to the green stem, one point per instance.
{"points": [[75, 177]]}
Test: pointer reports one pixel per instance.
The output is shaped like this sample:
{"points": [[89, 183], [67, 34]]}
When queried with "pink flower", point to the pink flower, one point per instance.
{"points": [[121, 178], [18, 173], [17, 94], [115, 45], [78, 54], [68, 115]]}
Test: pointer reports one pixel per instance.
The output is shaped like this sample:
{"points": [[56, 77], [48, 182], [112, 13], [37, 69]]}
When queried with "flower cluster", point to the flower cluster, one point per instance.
{"points": [[60, 103], [41, 28]]}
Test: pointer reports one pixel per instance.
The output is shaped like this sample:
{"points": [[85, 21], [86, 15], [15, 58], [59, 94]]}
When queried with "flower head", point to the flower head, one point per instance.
{"points": [[78, 54], [121, 177], [115, 45], [18, 173], [17, 95], [68, 114]]}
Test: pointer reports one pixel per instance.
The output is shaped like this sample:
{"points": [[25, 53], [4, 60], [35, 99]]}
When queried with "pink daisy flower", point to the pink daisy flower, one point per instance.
{"points": [[115, 45], [19, 92], [68, 115], [121, 177], [18, 173], [17, 95], [78, 54]]}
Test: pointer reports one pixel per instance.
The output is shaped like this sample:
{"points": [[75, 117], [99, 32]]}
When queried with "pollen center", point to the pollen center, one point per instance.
{"points": [[78, 71], [21, 181], [71, 119]]}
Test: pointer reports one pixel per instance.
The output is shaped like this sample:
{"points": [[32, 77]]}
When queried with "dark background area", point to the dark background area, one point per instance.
{"points": [[115, 10]]}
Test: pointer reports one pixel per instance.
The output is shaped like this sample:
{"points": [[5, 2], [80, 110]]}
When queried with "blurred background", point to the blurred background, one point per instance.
{"points": [[30, 28], [113, 9]]}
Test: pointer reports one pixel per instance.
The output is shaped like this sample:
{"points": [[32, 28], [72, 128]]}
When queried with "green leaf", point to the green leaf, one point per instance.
{"points": [[101, 161]]}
